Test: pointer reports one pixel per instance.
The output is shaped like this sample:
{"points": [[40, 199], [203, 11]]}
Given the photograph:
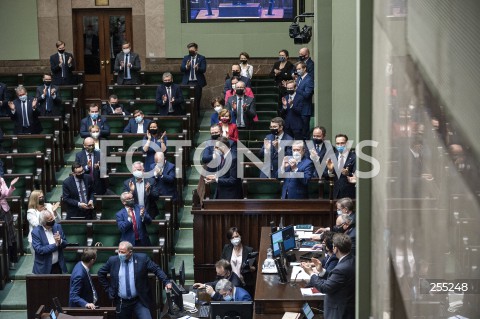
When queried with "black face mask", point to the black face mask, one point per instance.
{"points": [[50, 223], [192, 53], [47, 83], [239, 91], [301, 58], [167, 84], [61, 51], [153, 132], [290, 92], [215, 136], [243, 61], [317, 141], [80, 176], [338, 229], [130, 203], [274, 131], [113, 105], [235, 73], [41, 201]]}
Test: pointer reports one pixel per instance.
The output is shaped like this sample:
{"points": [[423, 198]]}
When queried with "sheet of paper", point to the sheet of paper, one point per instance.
{"points": [[304, 234], [299, 274], [309, 292]]}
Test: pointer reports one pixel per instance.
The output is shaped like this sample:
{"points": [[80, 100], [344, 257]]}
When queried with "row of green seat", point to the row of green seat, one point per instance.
{"points": [[35, 78]]}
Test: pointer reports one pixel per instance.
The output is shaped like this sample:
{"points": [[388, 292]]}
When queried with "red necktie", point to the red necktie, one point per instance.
{"points": [[134, 221]]}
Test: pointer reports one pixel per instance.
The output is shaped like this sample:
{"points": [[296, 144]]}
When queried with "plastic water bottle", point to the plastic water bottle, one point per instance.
{"points": [[269, 253]]}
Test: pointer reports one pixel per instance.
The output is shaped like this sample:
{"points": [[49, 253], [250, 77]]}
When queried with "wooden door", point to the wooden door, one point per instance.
{"points": [[98, 37]]}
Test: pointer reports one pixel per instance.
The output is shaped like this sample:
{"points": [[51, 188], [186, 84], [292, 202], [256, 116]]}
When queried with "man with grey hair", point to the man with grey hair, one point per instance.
{"points": [[132, 220], [128, 286], [24, 113], [241, 107], [296, 187], [231, 293], [169, 97], [165, 179], [141, 189], [48, 241]]}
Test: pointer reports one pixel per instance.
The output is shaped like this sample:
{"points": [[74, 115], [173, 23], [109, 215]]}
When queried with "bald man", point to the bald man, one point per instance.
{"points": [[89, 158]]}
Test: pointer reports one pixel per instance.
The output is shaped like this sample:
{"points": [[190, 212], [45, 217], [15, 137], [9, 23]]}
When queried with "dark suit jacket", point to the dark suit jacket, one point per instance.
{"points": [[297, 188], [176, 94], [249, 112], [99, 187], [207, 154], [149, 199], [329, 263], [132, 126], [305, 93], [200, 73], [57, 70], [142, 266], [101, 122], [310, 67], [134, 70], [321, 154], [228, 185], [342, 187], [4, 98], [352, 233], [285, 74], [166, 184], [126, 227], [17, 117], [43, 250], [228, 83], [81, 291], [274, 154], [292, 114], [248, 276], [72, 198], [54, 104], [339, 289], [107, 109]]}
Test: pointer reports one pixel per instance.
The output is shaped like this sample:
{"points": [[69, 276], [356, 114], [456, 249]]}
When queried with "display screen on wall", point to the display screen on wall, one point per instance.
{"points": [[241, 10]]}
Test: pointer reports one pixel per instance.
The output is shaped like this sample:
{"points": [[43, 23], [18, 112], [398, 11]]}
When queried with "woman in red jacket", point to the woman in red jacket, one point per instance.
{"points": [[229, 130]]}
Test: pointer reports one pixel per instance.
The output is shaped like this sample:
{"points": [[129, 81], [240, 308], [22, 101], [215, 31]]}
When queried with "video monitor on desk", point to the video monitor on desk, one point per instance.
{"points": [[285, 235], [231, 309]]}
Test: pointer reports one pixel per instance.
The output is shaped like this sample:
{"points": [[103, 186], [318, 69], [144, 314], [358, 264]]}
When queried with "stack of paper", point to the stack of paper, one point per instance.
{"points": [[310, 292], [298, 274], [304, 234], [291, 315]]}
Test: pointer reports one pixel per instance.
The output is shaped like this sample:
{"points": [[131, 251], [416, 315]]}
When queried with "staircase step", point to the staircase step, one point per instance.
{"points": [[13, 314], [70, 157], [56, 193], [187, 217], [24, 268], [13, 296], [187, 194], [63, 173], [184, 243]]}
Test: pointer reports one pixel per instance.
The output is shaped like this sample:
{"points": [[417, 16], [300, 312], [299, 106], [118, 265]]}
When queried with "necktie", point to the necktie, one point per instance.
{"points": [[90, 158], [95, 297], [299, 80], [169, 93], [82, 191], [341, 162], [240, 112], [64, 66], [134, 222], [25, 115], [317, 147], [127, 279], [47, 98], [127, 69], [192, 70]]}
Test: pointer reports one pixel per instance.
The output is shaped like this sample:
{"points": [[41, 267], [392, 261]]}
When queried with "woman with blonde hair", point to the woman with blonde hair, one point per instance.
{"points": [[7, 217], [229, 129], [36, 204]]}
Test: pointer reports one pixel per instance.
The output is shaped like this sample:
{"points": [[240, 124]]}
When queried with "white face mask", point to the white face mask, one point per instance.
{"points": [[236, 241], [126, 51], [160, 165], [218, 108], [297, 156], [95, 135], [138, 174]]}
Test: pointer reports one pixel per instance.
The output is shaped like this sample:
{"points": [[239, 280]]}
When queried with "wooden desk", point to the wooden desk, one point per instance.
{"points": [[273, 297]]}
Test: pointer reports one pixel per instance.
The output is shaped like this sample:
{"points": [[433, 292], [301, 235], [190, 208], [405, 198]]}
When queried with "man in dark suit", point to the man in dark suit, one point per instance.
{"points": [[62, 65], [132, 221], [94, 118], [4, 98], [48, 99], [48, 241], [241, 107], [296, 187], [209, 154], [304, 91], [138, 124], [127, 65], [304, 56], [82, 291], [165, 179], [339, 287], [291, 111], [231, 293], [169, 97], [271, 145], [141, 189], [193, 68], [78, 194], [24, 112], [128, 286], [228, 185], [236, 70], [346, 165], [113, 107], [317, 153], [89, 158]]}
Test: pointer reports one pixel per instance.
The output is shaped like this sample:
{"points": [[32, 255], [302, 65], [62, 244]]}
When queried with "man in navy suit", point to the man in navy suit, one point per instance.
{"points": [[89, 158], [128, 66], [304, 91], [193, 68], [4, 97], [113, 107], [236, 70], [78, 194], [296, 187], [291, 111], [241, 107], [132, 221], [62, 65], [128, 286], [339, 286], [141, 189], [317, 153], [346, 164], [165, 179], [138, 124], [271, 145], [48, 241], [304, 56], [231, 293], [169, 97], [82, 291], [228, 185], [24, 112], [209, 154], [48, 99], [94, 118]]}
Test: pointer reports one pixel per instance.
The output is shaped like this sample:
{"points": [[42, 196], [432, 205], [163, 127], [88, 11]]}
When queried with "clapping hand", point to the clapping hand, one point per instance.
{"points": [[14, 181], [34, 103], [164, 98], [234, 106], [69, 60], [142, 211], [131, 185], [189, 62]]}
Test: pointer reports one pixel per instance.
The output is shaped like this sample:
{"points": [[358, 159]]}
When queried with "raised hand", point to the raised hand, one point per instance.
{"points": [[164, 98], [11, 105], [34, 103], [234, 106], [15, 180], [131, 185]]}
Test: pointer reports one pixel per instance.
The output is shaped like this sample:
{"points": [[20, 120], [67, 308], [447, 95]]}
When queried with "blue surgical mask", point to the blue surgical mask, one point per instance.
{"points": [[300, 72], [227, 298], [23, 98], [341, 149], [94, 116], [122, 257], [138, 119]]}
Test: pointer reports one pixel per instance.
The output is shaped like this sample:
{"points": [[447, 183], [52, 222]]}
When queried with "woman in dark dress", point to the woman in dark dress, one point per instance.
{"points": [[282, 72]]}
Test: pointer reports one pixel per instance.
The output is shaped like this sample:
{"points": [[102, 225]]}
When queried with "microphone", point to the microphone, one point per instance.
{"points": [[294, 283]]}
